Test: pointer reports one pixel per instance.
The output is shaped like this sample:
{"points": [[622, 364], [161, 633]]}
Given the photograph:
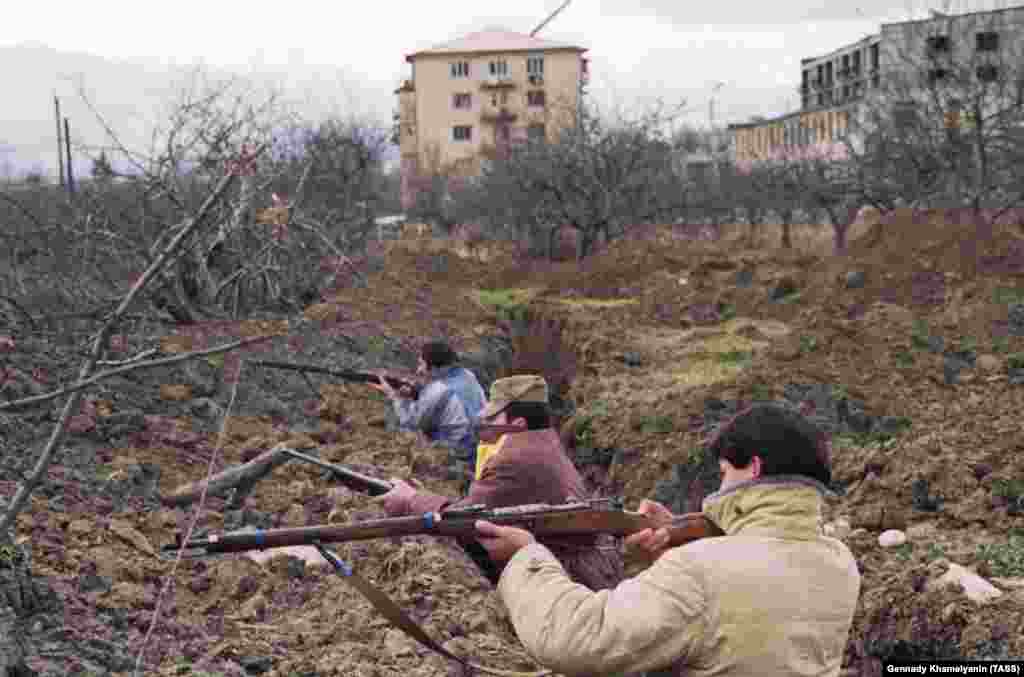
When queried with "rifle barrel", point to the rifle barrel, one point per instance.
{"points": [[351, 478], [344, 374]]}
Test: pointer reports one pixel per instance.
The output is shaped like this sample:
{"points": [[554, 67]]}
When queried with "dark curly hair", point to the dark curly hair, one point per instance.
{"points": [[786, 441], [438, 354]]}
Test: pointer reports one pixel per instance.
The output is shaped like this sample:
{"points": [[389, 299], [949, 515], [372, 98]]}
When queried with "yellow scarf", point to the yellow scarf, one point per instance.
{"points": [[486, 451]]}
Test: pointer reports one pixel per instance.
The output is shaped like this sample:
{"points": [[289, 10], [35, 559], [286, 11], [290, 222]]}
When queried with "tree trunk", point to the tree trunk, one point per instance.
{"points": [[19, 598], [787, 233], [584, 243]]}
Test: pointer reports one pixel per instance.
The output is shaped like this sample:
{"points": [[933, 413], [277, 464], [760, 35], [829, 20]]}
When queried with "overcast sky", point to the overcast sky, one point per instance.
{"points": [[347, 57]]}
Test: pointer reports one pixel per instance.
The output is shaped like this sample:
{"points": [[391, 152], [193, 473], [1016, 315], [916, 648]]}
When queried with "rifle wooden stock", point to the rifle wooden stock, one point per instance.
{"points": [[343, 374], [544, 521]]}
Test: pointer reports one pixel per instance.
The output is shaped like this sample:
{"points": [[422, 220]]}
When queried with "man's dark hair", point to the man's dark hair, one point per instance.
{"points": [[438, 354], [537, 414], [787, 443]]}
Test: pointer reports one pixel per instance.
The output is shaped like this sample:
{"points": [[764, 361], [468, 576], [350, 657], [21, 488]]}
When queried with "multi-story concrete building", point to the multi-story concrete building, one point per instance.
{"points": [[468, 99], [880, 68]]}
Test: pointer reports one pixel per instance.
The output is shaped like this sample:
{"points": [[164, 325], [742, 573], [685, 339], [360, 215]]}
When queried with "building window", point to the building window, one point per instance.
{"points": [[856, 63], [535, 98], [535, 132], [938, 43], [535, 65], [987, 41], [462, 132], [874, 57], [460, 69], [499, 68], [987, 73], [462, 101]]}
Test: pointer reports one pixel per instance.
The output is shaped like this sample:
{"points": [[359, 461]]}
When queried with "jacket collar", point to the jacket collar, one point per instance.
{"points": [[437, 373], [786, 506]]}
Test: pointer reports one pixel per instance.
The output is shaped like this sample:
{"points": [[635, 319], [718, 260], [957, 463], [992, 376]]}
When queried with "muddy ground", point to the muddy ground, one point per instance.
{"points": [[908, 362]]}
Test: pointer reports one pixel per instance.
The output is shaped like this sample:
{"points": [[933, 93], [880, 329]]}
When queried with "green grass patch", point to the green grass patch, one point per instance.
{"points": [[736, 358], [903, 552], [727, 311], [1005, 559], [933, 552], [1015, 361], [968, 344], [1008, 295], [657, 424], [509, 304], [919, 334], [585, 433], [1012, 490], [840, 392], [760, 392], [1001, 344], [904, 358], [695, 456], [793, 297], [808, 344]]}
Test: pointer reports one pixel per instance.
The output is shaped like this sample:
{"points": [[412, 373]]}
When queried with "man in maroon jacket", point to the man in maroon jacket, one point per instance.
{"points": [[525, 467]]}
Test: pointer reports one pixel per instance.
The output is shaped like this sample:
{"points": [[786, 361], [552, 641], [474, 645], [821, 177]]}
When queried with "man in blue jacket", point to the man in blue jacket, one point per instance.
{"points": [[448, 407]]}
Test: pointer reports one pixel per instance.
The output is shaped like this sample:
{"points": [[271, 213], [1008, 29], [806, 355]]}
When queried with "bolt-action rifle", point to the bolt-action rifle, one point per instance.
{"points": [[343, 374], [597, 516]]}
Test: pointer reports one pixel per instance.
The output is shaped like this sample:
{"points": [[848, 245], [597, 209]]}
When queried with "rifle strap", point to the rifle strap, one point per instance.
{"points": [[391, 611]]}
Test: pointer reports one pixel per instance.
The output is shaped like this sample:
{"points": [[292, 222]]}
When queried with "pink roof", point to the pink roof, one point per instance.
{"points": [[494, 40]]}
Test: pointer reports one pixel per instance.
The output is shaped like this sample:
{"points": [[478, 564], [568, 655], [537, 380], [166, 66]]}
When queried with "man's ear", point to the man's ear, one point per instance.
{"points": [[756, 466]]}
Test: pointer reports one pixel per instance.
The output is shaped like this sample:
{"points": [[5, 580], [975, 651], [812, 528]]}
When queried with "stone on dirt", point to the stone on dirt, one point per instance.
{"points": [[975, 587], [855, 279], [892, 538]]}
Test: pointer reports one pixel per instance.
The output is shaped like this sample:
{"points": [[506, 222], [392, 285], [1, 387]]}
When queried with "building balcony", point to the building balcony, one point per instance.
{"points": [[497, 83], [498, 115]]}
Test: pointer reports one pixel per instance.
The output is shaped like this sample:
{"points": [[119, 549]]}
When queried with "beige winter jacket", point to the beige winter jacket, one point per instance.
{"points": [[773, 597]]}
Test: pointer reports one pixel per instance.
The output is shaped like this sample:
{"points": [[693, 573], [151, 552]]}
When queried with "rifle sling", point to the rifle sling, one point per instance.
{"points": [[391, 611]]}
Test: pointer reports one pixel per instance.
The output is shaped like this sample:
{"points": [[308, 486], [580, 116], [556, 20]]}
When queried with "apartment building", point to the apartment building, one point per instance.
{"points": [[469, 99], [879, 69]]}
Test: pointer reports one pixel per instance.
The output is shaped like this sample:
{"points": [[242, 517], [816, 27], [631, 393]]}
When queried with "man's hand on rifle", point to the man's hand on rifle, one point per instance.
{"points": [[653, 542], [396, 502], [383, 386], [502, 543]]}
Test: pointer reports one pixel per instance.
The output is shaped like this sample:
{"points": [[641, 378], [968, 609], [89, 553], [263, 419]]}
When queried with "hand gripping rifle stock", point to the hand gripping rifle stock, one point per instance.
{"points": [[599, 516]]}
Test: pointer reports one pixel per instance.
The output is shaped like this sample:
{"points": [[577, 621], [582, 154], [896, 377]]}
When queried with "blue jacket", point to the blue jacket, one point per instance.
{"points": [[441, 410]]}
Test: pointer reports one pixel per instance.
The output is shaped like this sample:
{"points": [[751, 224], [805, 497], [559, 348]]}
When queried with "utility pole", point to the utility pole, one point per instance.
{"points": [[711, 114], [67, 145], [60, 146]]}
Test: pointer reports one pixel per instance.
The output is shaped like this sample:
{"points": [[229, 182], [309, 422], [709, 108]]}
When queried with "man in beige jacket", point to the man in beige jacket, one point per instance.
{"points": [[773, 597]]}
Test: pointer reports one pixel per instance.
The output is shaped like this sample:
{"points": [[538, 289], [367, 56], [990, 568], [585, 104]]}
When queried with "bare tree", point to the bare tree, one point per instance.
{"points": [[946, 128], [598, 177]]}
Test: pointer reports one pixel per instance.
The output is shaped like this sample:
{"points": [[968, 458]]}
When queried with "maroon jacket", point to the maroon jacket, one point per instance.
{"points": [[532, 468]]}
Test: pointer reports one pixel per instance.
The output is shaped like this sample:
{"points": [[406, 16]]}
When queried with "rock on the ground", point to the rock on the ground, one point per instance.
{"points": [[783, 288], [1015, 316], [855, 279], [975, 587], [892, 538], [989, 363]]}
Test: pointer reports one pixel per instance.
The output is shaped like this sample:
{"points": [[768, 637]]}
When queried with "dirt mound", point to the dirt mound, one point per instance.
{"points": [[910, 366]]}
